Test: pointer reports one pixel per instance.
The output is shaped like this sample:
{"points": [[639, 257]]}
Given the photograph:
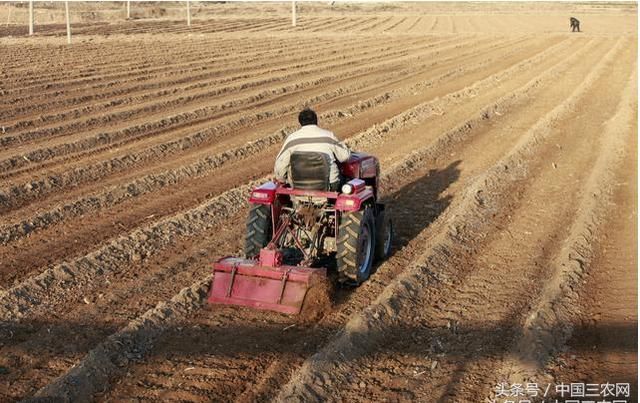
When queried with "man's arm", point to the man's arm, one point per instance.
{"points": [[340, 150], [282, 165]]}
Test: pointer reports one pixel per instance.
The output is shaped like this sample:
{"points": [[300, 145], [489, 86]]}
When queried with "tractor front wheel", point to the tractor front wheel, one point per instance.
{"points": [[258, 230], [356, 246]]}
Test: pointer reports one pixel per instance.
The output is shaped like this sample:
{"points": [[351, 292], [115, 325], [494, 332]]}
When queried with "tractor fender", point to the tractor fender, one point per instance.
{"points": [[264, 194], [354, 202]]}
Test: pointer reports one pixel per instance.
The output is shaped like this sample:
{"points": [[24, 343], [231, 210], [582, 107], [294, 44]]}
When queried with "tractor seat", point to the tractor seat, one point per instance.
{"points": [[309, 170]]}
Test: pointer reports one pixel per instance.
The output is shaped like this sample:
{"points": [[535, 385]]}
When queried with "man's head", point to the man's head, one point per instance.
{"points": [[307, 117]]}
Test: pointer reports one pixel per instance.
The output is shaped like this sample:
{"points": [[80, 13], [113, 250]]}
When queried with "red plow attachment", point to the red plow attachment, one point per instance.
{"points": [[255, 284]]}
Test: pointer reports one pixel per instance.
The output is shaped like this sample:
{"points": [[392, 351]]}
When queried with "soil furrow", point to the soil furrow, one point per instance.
{"points": [[377, 134], [65, 146], [549, 323], [414, 24], [222, 70], [144, 130], [387, 125], [112, 70], [152, 181], [359, 60], [446, 251], [188, 75], [505, 144], [203, 284], [396, 24], [608, 299], [115, 164]]}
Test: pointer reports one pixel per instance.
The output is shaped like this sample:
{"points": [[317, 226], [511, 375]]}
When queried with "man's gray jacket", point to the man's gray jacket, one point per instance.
{"points": [[311, 138]]}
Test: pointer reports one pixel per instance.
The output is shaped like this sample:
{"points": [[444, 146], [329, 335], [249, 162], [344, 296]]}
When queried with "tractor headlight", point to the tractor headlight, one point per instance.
{"points": [[347, 188], [260, 195]]}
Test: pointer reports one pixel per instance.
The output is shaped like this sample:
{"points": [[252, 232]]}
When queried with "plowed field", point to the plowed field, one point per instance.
{"points": [[508, 148]]}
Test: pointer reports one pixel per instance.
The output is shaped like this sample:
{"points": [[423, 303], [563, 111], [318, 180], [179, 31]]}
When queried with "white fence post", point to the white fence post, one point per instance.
{"points": [[30, 17], [188, 14], [9, 16], [128, 9], [66, 12], [293, 13]]}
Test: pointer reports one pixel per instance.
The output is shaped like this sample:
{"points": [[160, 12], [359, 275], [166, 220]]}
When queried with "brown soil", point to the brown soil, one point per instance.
{"points": [[603, 346], [508, 153]]}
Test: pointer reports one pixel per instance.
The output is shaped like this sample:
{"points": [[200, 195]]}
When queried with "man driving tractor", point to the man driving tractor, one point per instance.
{"points": [[311, 138], [322, 214]]}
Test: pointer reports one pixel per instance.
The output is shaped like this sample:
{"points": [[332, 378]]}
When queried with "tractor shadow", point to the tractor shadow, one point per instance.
{"points": [[414, 206]]}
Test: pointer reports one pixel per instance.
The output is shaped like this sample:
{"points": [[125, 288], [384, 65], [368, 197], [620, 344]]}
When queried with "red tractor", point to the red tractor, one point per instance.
{"points": [[294, 233]]}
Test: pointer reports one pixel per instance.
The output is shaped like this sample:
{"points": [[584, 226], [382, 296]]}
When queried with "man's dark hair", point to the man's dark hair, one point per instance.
{"points": [[307, 117]]}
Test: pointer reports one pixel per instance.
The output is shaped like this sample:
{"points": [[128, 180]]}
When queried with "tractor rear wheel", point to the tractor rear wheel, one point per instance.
{"points": [[356, 246], [384, 235], [258, 230]]}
